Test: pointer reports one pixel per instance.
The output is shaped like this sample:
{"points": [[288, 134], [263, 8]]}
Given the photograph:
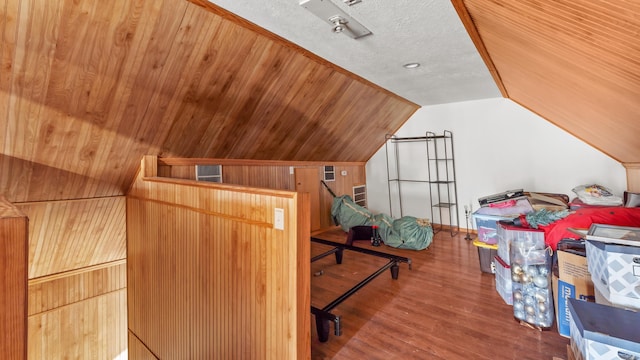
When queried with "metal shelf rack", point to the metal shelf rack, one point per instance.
{"points": [[440, 177]]}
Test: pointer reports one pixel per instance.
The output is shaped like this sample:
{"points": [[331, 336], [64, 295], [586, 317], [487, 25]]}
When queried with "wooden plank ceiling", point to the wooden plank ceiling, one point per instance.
{"points": [[574, 62], [87, 87]]}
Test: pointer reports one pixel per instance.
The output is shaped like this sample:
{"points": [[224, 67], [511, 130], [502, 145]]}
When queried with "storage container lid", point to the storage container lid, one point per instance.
{"points": [[606, 324], [512, 227], [483, 244], [615, 248]]}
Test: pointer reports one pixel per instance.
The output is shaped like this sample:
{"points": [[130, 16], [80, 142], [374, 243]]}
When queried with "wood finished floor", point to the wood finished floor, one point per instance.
{"points": [[444, 308]]}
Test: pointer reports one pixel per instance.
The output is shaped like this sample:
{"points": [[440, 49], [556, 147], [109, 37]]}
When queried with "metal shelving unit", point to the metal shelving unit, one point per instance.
{"points": [[439, 179], [443, 191]]}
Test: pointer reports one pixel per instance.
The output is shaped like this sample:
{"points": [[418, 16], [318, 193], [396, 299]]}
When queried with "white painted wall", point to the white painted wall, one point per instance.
{"points": [[498, 146]]}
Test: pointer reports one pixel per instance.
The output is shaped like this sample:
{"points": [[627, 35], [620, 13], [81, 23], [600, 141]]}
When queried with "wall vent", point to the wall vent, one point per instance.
{"points": [[360, 195], [329, 173], [211, 173]]}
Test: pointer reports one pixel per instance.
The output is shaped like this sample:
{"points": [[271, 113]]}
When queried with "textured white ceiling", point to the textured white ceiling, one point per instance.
{"points": [[424, 31]]}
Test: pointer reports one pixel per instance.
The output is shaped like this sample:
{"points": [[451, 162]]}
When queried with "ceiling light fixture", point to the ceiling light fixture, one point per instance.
{"points": [[351, 2], [340, 22], [411, 65]]}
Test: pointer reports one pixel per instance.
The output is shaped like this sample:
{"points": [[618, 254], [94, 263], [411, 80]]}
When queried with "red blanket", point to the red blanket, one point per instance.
{"points": [[583, 218]]}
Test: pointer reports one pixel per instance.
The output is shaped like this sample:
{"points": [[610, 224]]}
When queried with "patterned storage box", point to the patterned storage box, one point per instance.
{"points": [[600, 332], [615, 271], [503, 280]]}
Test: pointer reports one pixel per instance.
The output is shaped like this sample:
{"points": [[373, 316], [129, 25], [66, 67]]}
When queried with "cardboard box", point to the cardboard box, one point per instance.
{"points": [[551, 202], [600, 332], [573, 282]]}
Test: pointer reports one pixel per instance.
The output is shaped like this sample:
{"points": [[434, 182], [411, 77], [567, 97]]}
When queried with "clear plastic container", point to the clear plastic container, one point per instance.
{"points": [[531, 280]]}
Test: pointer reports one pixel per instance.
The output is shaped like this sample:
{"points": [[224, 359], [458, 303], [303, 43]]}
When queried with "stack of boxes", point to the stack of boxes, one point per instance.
{"points": [[492, 251], [605, 268], [486, 223], [610, 327], [504, 284], [527, 274], [571, 280]]}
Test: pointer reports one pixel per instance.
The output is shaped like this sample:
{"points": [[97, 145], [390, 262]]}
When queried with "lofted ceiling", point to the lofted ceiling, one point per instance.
{"points": [[573, 62], [403, 31], [88, 87]]}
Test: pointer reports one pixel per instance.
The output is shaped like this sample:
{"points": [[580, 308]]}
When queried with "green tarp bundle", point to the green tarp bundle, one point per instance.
{"points": [[407, 232]]}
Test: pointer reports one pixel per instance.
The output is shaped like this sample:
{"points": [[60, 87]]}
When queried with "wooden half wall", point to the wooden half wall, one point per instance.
{"points": [[281, 175], [210, 275]]}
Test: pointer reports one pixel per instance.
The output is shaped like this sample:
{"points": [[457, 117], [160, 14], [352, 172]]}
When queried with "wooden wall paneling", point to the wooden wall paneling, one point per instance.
{"points": [[570, 62], [275, 175], [137, 350], [80, 330], [177, 172], [77, 251], [53, 291], [633, 176], [306, 180], [64, 318], [270, 177], [66, 235], [303, 272], [76, 121], [342, 186], [210, 261], [13, 281]]}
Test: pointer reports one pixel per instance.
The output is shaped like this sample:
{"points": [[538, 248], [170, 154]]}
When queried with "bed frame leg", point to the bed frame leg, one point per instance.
{"points": [[394, 271], [322, 326], [339, 256]]}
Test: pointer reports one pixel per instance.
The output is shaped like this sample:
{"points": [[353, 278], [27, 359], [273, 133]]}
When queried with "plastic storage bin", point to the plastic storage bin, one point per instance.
{"points": [[486, 252], [503, 280], [487, 226], [507, 233], [531, 277]]}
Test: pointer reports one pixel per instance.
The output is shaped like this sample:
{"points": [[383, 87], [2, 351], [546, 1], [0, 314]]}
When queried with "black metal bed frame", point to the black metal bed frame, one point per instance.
{"points": [[324, 316]]}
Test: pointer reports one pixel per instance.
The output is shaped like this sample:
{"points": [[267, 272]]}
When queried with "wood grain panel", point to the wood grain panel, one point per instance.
{"points": [[137, 350], [206, 257], [52, 292], [81, 330], [572, 62], [88, 87], [633, 177], [273, 175], [13, 281], [67, 235]]}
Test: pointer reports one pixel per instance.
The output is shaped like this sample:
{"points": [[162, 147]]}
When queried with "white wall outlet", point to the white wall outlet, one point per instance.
{"points": [[343, 172], [278, 219]]}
